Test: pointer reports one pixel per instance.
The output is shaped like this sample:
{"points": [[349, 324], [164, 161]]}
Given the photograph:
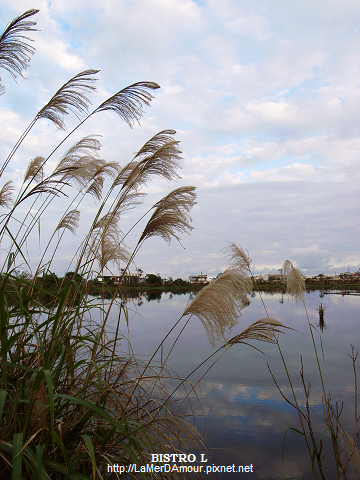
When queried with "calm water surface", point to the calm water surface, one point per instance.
{"points": [[242, 417]]}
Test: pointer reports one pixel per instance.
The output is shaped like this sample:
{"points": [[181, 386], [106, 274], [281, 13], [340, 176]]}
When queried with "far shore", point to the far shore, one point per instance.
{"points": [[273, 286]]}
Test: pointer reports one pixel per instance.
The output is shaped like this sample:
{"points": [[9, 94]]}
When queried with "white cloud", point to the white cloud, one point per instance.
{"points": [[250, 25], [265, 101]]}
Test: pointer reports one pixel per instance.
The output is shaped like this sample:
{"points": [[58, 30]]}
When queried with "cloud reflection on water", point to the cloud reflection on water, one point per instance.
{"points": [[242, 415]]}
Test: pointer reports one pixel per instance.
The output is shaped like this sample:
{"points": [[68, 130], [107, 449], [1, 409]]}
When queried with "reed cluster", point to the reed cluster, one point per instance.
{"points": [[71, 400]]}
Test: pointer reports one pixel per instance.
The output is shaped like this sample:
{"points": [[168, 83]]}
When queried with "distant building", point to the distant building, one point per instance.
{"points": [[199, 279], [127, 279], [130, 279], [268, 277]]}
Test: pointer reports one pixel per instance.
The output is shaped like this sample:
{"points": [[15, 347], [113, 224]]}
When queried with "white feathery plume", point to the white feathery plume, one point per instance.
{"points": [[171, 215], [263, 330], [295, 280], [6, 194], [70, 221], [15, 53], [220, 303], [239, 258], [35, 170], [128, 102], [69, 98]]}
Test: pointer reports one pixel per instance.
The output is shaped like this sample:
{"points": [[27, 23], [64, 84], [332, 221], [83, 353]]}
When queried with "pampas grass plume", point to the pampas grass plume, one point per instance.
{"points": [[219, 304], [6, 194], [295, 280], [70, 221], [171, 215], [69, 98], [239, 258], [263, 330], [35, 170]]}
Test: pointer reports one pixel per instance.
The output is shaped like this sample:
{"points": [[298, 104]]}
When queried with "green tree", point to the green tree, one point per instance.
{"points": [[152, 279]]}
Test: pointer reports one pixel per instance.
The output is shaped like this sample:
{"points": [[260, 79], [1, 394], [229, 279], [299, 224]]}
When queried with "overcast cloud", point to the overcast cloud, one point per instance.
{"points": [[264, 96]]}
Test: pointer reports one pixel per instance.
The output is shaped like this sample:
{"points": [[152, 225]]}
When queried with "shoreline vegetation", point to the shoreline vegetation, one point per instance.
{"points": [[271, 286], [95, 287]]}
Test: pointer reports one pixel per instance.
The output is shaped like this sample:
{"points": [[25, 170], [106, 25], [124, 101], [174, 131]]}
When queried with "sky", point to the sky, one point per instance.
{"points": [[264, 96]]}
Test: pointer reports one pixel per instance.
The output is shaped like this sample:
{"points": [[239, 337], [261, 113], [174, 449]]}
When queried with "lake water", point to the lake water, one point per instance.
{"points": [[242, 417]]}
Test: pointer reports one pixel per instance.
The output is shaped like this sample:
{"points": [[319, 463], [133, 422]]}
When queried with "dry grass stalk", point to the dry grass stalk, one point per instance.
{"points": [[157, 141], [6, 194], [40, 412], [80, 163], [295, 280], [15, 53], [35, 170], [106, 245], [127, 200], [263, 330], [161, 161], [128, 102], [96, 187], [70, 221], [352, 451], [219, 305], [239, 258], [171, 215], [69, 98]]}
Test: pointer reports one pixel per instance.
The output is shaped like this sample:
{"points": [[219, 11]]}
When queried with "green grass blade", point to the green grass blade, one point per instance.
{"points": [[2, 401], [51, 397], [118, 426], [297, 431], [17, 456], [18, 248], [90, 447], [42, 473]]}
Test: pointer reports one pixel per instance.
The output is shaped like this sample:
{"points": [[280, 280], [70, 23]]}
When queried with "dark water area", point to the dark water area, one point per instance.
{"points": [[239, 411]]}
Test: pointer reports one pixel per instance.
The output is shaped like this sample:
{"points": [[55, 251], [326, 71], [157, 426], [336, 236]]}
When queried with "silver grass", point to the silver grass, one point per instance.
{"points": [[239, 258], [107, 168], [86, 146], [295, 280], [163, 163], [102, 168], [70, 221], [160, 161], [96, 187], [124, 173], [157, 141], [52, 187], [127, 200], [351, 449], [128, 102], [35, 170], [6, 194], [263, 330], [15, 53], [82, 171], [109, 220], [171, 215], [219, 305], [81, 163], [71, 97], [106, 245], [111, 250]]}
